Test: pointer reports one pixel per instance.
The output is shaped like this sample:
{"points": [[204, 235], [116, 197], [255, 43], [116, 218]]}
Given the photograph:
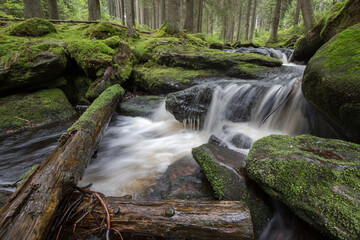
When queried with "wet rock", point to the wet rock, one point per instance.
{"points": [[142, 106], [331, 81], [225, 170], [216, 46], [240, 140], [76, 88], [338, 18], [182, 180], [34, 109], [192, 103], [217, 141], [318, 179]]}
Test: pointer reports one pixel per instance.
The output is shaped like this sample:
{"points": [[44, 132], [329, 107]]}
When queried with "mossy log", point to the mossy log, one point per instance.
{"points": [[29, 212], [167, 219]]}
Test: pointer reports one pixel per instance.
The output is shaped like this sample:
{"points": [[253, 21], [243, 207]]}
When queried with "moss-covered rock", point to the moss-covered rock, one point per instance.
{"points": [[76, 88], [39, 108], [157, 79], [332, 81], [33, 27], [142, 106], [225, 170], [105, 30], [338, 18], [25, 63], [318, 179]]}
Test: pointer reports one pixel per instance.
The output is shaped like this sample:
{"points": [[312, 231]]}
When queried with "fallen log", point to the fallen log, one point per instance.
{"points": [[165, 219], [30, 211]]}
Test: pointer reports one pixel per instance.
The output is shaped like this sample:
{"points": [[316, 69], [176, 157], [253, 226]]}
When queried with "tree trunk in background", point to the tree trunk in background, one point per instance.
{"points": [[154, 15], [123, 12], [207, 21], [247, 21], [137, 11], [239, 23], [231, 35], [111, 9], [117, 9], [225, 27], [173, 16], [130, 17], [253, 21], [200, 16], [53, 9], [189, 18], [307, 13], [94, 10], [297, 13], [163, 11], [276, 19], [146, 12], [32, 8]]}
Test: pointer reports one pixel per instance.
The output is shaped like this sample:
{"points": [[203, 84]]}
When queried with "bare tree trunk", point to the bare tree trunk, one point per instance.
{"points": [[232, 30], [111, 8], [207, 21], [297, 13], [200, 16], [225, 27], [32, 8], [307, 13], [163, 11], [30, 211], [130, 17], [173, 16], [253, 21], [275, 25], [53, 9], [189, 18], [122, 12], [137, 11], [117, 9], [94, 10], [239, 23], [154, 14], [247, 26]]}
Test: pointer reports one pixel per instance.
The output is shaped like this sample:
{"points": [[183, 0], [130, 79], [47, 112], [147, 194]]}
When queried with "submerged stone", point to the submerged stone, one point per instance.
{"points": [[318, 179], [142, 106]]}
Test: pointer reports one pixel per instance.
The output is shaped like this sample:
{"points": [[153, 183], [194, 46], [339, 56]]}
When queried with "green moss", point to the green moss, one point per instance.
{"points": [[113, 42], [102, 101], [26, 175], [105, 30], [34, 27], [317, 178], [39, 107]]}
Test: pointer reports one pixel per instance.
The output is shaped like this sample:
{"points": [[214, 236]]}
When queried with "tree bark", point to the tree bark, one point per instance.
{"points": [[239, 23], [275, 24], [130, 18], [122, 12], [32, 8], [163, 11], [253, 21], [117, 9], [297, 13], [53, 9], [190, 219], [30, 211], [307, 13], [173, 16], [189, 18], [200, 16], [247, 21], [94, 10]]}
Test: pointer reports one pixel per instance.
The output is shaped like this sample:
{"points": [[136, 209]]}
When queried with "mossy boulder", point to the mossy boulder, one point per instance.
{"points": [[338, 18], [142, 106], [39, 108], [157, 79], [332, 81], [225, 170], [30, 64], [76, 88], [105, 30], [33, 27], [318, 179]]}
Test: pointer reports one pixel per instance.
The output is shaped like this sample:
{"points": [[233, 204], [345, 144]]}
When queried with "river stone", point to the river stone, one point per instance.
{"points": [[338, 18], [192, 103], [225, 170], [182, 180], [317, 178], [241, 140], [142, 106], [332, 81], [42, 107]]}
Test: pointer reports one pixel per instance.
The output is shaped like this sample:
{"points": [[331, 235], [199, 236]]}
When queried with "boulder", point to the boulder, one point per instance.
{"points": [[225, 170], [216, 46], [31, 67], [191, 103], [34, 109], [33, 27], [332, 81], [338, 18], [101, 31], [241, 140], [142, 106], [317, 178], [182, 180]]}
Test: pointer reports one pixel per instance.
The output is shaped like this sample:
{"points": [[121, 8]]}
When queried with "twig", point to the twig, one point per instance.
{"points": [[57, 236], [22, 119], [117, 233]]}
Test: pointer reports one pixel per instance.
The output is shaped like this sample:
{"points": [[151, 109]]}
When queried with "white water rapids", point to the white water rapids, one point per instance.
{"points": [[135, 150]]}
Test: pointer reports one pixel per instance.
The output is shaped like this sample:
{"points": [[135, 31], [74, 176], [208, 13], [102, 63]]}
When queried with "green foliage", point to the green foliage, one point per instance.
{"points": [[34, 27], [11, 8]]}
